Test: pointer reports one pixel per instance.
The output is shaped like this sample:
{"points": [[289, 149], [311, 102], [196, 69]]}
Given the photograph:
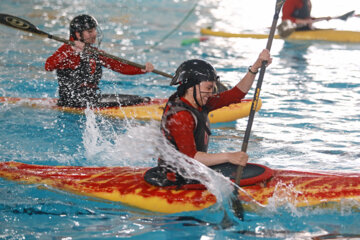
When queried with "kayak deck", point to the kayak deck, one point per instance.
{"points": [[127, 185]]}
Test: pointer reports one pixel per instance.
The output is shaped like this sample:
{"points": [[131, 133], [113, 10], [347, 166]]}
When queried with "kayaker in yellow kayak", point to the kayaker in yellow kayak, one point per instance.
{"points": [[185, 121], [79, 71], [299, 13]]}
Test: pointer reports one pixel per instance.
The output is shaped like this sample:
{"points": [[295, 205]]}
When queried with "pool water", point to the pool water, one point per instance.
{"points": [[309, 119]]}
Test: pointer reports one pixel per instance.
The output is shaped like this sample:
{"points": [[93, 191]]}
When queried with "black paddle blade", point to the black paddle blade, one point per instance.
{"points": [[346, 15], [20, 24], [237, 205]]}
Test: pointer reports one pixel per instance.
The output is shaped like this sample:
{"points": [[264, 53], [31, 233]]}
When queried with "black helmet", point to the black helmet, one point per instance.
{"points": [[82, 23], [192, 72]]}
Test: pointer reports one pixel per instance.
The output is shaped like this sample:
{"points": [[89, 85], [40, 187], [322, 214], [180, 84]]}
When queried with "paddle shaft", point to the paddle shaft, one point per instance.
{"points": [[343, 17], [255, 101], [236, 203], [21, 24], [94, 50]]}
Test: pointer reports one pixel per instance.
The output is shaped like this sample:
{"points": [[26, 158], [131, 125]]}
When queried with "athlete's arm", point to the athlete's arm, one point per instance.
{"points": [[65, 57], [181, 126], [210, 159], [120, 67], [245, 84], [237, 93], [226, 98]]}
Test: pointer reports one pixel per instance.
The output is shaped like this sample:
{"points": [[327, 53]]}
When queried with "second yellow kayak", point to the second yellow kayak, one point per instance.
{"points": [[151, 110], [317, 35]]}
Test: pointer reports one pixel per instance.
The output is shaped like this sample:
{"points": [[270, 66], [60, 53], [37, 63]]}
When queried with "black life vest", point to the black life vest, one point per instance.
{"points": [[201, 136], [202, 123], [303, 12], [79, 87]]}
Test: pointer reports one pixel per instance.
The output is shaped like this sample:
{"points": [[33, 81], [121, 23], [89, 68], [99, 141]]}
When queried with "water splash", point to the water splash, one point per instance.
{"points": [[142, 144], [285, 195], [119, 142]]}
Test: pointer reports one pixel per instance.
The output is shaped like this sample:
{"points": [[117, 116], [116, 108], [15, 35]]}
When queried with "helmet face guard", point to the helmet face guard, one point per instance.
{"points": [[193, 72]]}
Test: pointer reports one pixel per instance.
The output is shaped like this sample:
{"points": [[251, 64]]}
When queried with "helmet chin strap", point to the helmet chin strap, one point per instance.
{"points": [[81, 39], [194, 95]]}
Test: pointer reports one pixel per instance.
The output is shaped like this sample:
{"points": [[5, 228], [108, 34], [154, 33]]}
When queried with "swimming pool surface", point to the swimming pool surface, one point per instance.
{"points": [[310, 118]]}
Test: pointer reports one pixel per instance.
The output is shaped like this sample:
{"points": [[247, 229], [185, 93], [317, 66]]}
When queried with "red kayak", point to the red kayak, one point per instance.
{"points": [[128, 186]]}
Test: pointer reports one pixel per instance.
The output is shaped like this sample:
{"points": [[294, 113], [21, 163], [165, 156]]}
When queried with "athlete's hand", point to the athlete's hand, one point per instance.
{"points": [[239, 158], [148, 67], [263, 56]]}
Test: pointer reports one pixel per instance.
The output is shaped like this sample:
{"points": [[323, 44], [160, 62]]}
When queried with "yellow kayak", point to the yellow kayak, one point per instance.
{"points": [[151, 110], [317, 35]]}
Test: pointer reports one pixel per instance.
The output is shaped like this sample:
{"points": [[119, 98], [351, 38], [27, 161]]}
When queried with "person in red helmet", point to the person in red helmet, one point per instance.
{"points": [[79, 71], [185, 121]]}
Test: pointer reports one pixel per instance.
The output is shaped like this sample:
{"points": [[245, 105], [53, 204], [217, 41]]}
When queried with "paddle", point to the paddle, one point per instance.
{"points": [[287, 27], [236, 203], [21, 24]]}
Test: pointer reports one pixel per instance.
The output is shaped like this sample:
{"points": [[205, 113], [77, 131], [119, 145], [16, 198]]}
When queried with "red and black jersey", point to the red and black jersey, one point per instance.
{"points": [[293, 9], [187, 128], [181, 125], [79, 74]]}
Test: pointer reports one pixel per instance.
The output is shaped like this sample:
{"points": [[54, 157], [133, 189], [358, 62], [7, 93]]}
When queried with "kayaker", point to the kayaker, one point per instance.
{"points": [[79, 71], [185, 121], [299, 13]]}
